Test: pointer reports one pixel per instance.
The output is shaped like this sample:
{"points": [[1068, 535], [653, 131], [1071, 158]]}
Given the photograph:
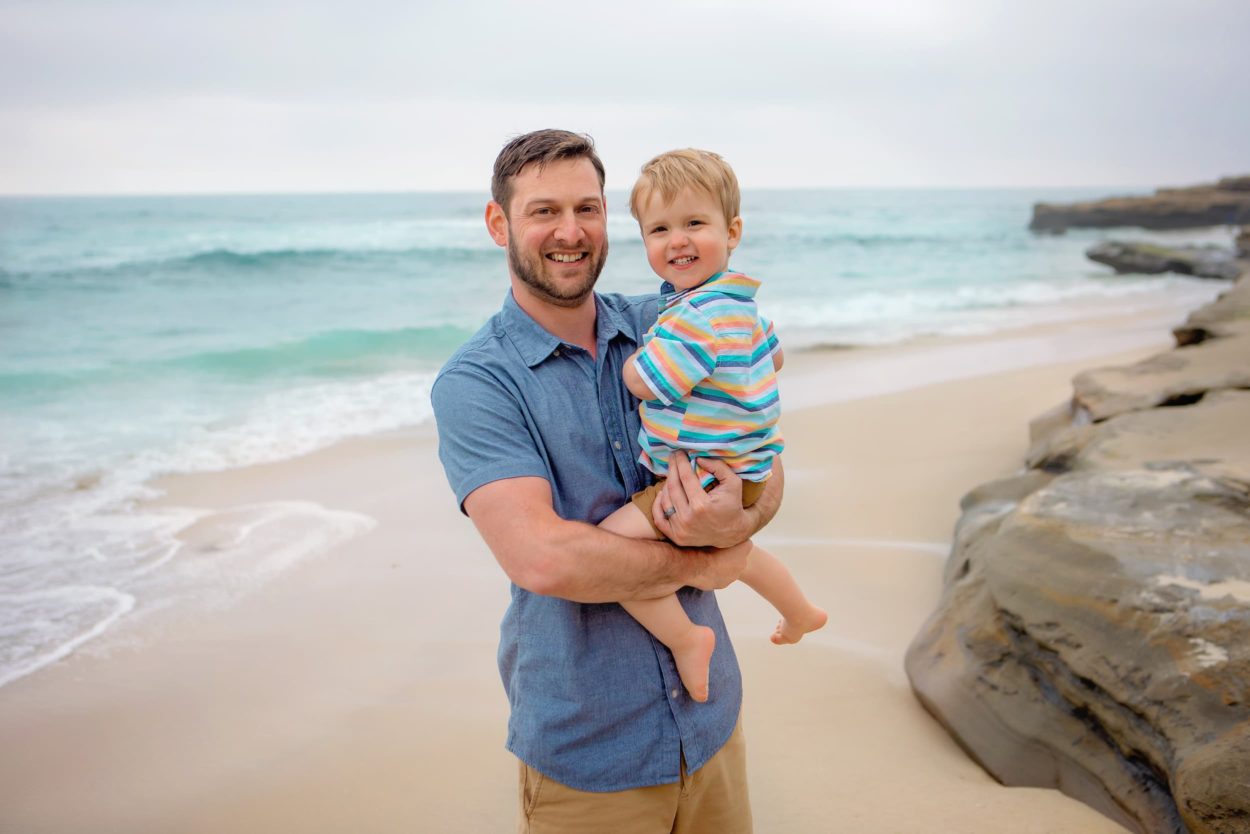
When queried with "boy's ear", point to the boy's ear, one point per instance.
{"points": [[735, 233], [497, 223]]}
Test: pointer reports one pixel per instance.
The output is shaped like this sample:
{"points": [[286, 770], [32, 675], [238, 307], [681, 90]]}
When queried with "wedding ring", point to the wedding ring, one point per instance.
{"points": [[670, 512]]}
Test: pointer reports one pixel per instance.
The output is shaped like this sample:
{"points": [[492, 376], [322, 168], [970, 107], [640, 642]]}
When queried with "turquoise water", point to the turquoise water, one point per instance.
{"points": [[144, 336]]}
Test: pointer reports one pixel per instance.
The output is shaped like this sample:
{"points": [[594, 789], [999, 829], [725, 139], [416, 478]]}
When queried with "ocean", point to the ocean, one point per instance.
{"points": [[146, 336]]}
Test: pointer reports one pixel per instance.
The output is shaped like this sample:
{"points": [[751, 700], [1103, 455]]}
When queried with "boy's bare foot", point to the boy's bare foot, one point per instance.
{"points": [[792, 630], [694, 657]]}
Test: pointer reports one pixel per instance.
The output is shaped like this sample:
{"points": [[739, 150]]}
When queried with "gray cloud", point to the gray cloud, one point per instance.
{"points": [[148, 96]]}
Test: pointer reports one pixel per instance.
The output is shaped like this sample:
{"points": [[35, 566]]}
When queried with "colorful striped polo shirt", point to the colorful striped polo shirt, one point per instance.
{"points": [[708, 361]]}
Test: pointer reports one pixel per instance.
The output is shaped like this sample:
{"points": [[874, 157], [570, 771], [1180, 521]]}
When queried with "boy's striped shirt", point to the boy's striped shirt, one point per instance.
{"points": [[708, 361]]}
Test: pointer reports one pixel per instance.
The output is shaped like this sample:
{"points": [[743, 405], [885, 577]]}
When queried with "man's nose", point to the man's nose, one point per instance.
{"points": [[569, 229]]}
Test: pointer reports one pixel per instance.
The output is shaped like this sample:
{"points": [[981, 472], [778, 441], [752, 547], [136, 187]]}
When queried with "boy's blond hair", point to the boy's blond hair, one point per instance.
{"points": [[672, 172]]}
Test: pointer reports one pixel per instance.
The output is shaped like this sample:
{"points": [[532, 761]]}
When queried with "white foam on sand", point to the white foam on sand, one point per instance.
{"points": [[41, 627], [187, 558]]}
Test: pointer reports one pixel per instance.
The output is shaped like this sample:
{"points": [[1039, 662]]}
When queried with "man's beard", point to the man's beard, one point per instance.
{"points": [[534, 276]]}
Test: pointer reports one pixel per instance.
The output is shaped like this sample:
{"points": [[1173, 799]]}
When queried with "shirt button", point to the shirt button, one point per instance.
{"points": [[617, 444], [676, 693], [556, 352]]}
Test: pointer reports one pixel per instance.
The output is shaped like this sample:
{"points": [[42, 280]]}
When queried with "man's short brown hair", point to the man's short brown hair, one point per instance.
{"points": [[539, 148], [672, 172]]}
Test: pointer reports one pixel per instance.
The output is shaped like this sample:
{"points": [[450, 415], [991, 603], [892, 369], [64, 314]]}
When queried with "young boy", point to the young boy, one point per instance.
{"points": [[706, 376]]}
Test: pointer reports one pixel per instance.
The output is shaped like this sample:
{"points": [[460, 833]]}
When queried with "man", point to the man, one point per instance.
{"points": [[538, 436]]}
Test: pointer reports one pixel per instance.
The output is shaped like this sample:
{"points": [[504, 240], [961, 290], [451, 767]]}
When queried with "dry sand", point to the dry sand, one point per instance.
{"points": [[358, 690]]}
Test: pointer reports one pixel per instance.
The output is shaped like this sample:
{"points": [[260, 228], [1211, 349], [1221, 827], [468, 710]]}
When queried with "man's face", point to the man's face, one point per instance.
{"points": [[557, 231]]}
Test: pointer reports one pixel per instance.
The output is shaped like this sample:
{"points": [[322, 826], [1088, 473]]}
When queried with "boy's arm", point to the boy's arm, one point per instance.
{"points": [[548, 555], [779, 359], [633, 379]]}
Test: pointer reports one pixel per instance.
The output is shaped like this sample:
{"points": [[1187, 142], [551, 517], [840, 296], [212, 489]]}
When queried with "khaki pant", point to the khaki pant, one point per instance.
{"points": [[712, 801]]}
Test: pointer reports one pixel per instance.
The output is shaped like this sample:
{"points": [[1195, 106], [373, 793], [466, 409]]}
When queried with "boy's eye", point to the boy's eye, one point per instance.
{"points": [[659, 229], [696, 222]]}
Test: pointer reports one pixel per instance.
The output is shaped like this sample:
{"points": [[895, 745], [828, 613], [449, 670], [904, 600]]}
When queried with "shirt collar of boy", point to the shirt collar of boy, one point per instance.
{"points": [[728, 283]]}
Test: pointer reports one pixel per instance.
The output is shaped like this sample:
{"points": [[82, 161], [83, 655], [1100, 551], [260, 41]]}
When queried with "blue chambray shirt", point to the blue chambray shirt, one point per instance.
{"points": [[596, 700]]}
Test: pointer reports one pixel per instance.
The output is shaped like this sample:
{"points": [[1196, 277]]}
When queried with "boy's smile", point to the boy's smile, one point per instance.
{"points": [[687, 240]]}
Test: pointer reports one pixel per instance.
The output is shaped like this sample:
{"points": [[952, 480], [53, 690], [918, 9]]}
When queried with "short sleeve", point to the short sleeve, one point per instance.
{"points": [[770, 337], [680, 354], [483, 435]]}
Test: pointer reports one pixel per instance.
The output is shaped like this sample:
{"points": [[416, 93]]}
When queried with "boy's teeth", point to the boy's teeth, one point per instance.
{"points": [[565, 259], [683, 260]]}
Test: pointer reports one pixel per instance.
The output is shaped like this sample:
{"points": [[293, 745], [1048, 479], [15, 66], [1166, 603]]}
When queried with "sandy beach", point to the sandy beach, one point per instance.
{"points": [[357, 690]]}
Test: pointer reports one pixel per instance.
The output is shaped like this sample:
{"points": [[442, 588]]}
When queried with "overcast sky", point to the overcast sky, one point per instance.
{"points": [[166, 96]]}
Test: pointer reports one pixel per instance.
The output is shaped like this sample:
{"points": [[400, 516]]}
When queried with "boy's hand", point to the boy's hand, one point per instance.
{"points": [[698, 518]]}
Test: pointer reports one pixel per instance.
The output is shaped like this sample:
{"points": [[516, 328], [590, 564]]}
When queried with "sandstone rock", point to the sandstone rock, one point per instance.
{"points": [[1094, 636], [1224, 317], [1241, 245], [1209, 438], [1148, 259], [1094, 629], [1226, 203], [1174, 378]]}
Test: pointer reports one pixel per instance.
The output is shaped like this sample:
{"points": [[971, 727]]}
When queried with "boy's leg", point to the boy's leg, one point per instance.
{"points": [[691, 644], [772, 580]]}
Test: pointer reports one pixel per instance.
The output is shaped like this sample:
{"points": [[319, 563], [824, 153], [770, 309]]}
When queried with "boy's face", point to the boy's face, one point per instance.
{"points": [[687, 240]]}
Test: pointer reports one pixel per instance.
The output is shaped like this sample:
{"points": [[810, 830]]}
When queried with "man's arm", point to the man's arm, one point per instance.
{"points": [[548, 555], [709, 518]]}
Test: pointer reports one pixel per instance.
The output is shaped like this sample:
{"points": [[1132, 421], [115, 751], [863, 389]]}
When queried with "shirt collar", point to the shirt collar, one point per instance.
{"points": [[729, 283], [536, 344]]}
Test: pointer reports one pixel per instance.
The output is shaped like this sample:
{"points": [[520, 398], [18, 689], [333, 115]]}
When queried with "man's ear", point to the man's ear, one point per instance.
{"points": [[735, 233], [497, 223]]}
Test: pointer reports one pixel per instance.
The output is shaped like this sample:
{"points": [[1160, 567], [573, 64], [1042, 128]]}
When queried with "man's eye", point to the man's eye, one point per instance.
{"points": [[590, 209]]}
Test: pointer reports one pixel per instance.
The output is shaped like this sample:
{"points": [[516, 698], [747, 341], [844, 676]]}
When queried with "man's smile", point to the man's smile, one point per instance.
{"points": [[566, 257]]}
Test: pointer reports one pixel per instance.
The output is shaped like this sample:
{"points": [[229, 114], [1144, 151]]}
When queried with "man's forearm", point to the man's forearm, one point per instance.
{"points": [[549, 555], [586, 564]]}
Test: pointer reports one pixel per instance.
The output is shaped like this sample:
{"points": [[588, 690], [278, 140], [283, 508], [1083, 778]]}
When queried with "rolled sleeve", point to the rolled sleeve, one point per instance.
{"points": [[483, 435], [770, 337]]}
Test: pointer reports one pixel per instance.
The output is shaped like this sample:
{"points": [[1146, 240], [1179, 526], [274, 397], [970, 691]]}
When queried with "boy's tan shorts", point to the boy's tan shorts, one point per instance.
{"points": [[645, 500]]}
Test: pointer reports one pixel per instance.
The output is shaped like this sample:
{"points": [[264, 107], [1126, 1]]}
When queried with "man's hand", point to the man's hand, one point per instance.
{"points": [[702, 519], [722, 567]]}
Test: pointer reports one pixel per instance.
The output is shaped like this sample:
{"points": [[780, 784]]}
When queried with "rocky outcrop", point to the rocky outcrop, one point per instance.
{"points": [[1094, 630], [1228, 315], [1149, 259], [1225, 203]]}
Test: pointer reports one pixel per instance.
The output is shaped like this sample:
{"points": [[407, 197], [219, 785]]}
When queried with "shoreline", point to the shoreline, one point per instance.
{"points": [[351, 689]]}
